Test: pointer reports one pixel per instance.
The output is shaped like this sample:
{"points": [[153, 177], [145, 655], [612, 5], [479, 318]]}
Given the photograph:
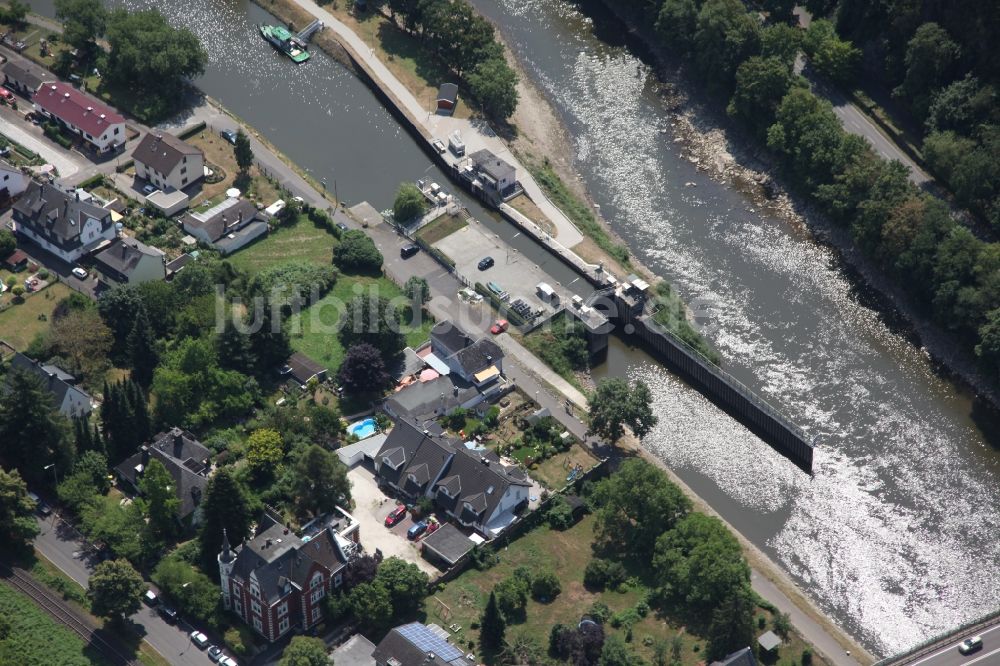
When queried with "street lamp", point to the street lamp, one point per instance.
{"points": [[52, 466]]}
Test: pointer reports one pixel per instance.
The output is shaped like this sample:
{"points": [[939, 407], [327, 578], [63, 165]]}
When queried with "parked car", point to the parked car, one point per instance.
{"points": [[215, 653], [970, 645], [167, 613], [228, 135], [148, 189], [199, 639], [499, 327], [40, 506], [6, 95], [408, 251], [439, 146], [395, 516], [341, 226], [228, 661], [416, 530], [485, 262], [150, 598], [80, 273]]}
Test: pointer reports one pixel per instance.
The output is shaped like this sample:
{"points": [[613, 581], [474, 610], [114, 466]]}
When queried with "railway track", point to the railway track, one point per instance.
{"points": [[54, 606]]}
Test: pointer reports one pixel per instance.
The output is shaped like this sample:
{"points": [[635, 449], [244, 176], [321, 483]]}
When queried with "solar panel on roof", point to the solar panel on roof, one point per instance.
{"points": [[427, 641]]}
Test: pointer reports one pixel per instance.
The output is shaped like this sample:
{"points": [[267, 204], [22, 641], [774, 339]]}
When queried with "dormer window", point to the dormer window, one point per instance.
{"points": [[254, 590], [316, 580], [412, 478]]}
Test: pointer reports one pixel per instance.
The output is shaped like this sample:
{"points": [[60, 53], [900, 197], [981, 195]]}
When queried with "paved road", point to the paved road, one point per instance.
{"points": [[948, 655], [58, 542]]}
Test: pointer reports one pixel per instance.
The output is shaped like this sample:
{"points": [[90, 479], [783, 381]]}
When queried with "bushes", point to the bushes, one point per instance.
{"points": [[545, 586], [194, 593], [357, 254], [604, 574], [410, 204]]}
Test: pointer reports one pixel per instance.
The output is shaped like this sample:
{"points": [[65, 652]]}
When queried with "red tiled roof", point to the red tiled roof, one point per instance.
{"points": [[77, 108], [16, 257]]}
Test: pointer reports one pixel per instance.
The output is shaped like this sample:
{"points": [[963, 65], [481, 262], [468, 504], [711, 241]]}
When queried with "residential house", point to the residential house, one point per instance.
{"points": [[61, 223], [496, 178], [68, 398], [479, 362], [184, 457], [277, 580], [98, 124], [742, 657], [447, 98], [13, 181], [424, 400], [168, 162], [355, 651], [228, 226], [417, 644], [25, 78], [473, 487], [127, 261], [301, 368]]}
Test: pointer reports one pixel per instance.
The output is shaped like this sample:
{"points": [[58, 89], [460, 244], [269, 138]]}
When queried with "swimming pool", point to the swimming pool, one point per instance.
{"points": [[363, 428]]}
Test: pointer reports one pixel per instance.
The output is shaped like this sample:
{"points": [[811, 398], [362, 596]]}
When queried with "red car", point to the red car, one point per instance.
{"points": [[395, 516], [499, 327], [7, 95]]}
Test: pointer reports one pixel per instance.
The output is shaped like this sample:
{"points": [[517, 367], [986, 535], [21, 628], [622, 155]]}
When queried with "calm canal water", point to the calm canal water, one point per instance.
{"points": [[894, 535]]}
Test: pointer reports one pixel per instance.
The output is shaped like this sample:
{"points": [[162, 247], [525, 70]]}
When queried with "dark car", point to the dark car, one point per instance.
{"points": [[395, 516], [228, 135], [167, 613], [485, 262], [341, 226], [408, 251], [416, 530], [970, 645], [215, 653]]}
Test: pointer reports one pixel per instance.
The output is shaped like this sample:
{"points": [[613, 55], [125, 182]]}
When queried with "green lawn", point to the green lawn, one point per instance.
{"points": [[313, 331], [20, 323], [440, 228], [302, 241], [35, 639]]}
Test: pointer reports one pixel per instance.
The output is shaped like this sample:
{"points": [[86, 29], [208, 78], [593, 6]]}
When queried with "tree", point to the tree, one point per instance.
{"points": [[636, 505], [761, 83], [700, 562], [132, 37], [83, 22], [195, 594], [373, 320], [404, 581], [725, 36], [410, 203], [837, 60], [363, 370], [8, 243], [491, 625], [14, 15], [616, 653], [119, 308], [243, 151], [142, 350], [781, 41], [305, 651], [580, 645], [931, 57], [270, 344], [512, 595], [778, 10], [33, 433], [125, 419], [615, 405], [418, 291], [782, 624], [320, 481], [731, 627], [677, 22], [225, 507], [494, 84], [17, 520], [988, 349], [265, 450], [357, 253], [545, 586], [362, 569], [157, 488], [234, 349], [370, 604], [115, 589], [82, 339], [962, 106]]}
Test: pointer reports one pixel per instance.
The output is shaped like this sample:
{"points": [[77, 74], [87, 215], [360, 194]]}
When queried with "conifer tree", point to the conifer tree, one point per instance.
{"points": [[142, 349], [492, 625]]}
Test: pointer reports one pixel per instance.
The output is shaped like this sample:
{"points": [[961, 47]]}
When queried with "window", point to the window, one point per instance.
{"points": [[6, 176], [239, 606], [283, 609], [316, 580], [258, 625], [116, 130], [315, 614], [283, 625], [337, 580], [184, 180], [255, 606], [317, 594], [184, 169], [254, 590]]}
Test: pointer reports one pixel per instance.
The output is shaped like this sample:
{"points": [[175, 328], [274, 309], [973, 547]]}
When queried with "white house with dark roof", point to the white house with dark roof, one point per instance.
{"points": [[69, 399], [61, 223], [25, 78], [276, 581], [479, 362], [168, 162], [184, 457], [227, 226], [13, 181], [473, 487], [128, 261]]}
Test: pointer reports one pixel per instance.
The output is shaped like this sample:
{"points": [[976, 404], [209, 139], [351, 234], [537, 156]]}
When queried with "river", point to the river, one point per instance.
{"points": [[894, 535]]}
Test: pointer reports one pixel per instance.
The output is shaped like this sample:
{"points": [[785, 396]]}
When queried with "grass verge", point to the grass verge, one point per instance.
{"points": [[440, 228], [21, 322], [302, 241]]}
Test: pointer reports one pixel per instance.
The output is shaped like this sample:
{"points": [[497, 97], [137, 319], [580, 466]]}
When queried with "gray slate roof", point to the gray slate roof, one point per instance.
{"points": [[449, 336], [26, 75], [742, 657], [448, 543], [58, 382], [490, 164], [123, 255], [423, 400], [56, 216], [480, 355], [162, 151], [184, 457], [413, 452], [476, 481], [416, 644], [224, 219]]}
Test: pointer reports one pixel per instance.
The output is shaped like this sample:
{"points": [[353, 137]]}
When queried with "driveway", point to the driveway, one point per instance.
{"points": [[68, 163], [371, 507]]}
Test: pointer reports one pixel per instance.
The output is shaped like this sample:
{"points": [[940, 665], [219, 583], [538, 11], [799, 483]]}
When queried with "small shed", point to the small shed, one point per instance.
{"points": [[447, 97], [769, 642], [352, 454], [16, 261], [446, 546], [301, 368]]}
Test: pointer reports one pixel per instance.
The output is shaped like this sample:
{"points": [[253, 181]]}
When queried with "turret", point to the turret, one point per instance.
{"points": [[226, 560]]}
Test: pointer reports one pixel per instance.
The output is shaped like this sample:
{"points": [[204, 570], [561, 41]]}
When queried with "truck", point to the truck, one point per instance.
{"points": [[455, 144]]}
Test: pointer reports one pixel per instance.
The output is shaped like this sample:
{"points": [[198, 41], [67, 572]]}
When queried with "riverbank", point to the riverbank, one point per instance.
{"points": [[712, 143]]}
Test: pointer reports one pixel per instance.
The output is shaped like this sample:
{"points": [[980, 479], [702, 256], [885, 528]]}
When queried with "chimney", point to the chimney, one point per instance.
{"points": [[179, 437], [77, 192], [267, 544], [90, 109]]}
